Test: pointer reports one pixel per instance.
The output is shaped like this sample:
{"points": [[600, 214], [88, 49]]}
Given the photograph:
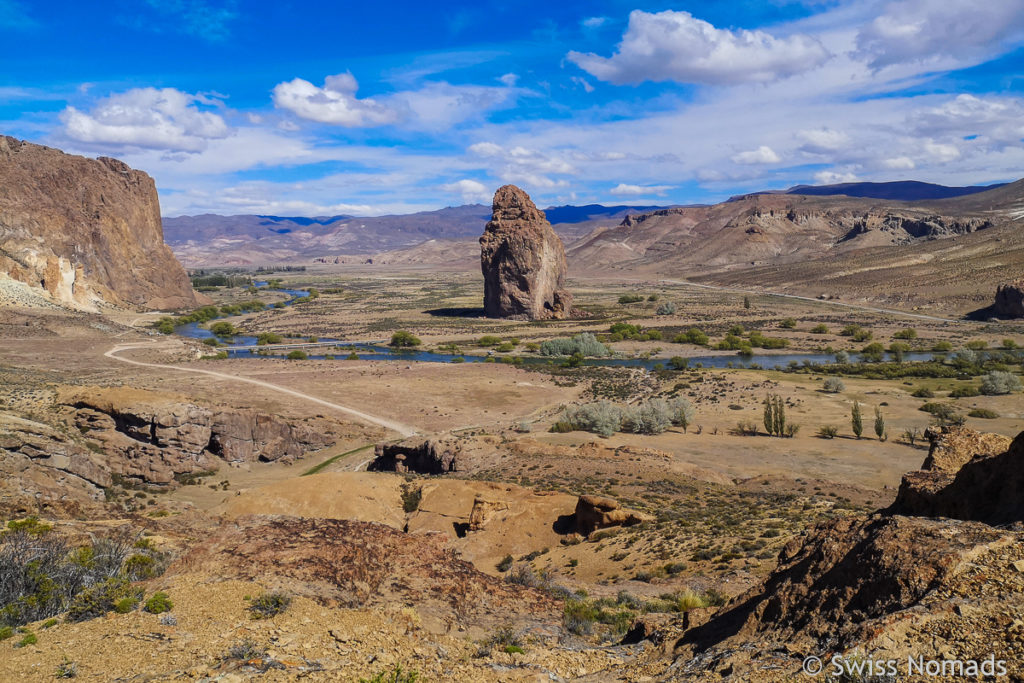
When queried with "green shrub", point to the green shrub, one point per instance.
{"points": [[404, 339], [964, 391], [505, 564], [983, 413], [267, 605], [820, 328], [6, 632], [788, 324], [906, 333], [631, 298], [411, 497], [942, 347], [29, 639], [297, 354], [159, 603], [693, 335], [264, 338], [222, 329], [488, 340], [504, 347], [923, 392], [113, 594]]}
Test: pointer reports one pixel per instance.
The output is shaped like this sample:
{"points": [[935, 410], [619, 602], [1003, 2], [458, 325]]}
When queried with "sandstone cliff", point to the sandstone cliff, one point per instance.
{"points": [[523, 261], [85, 231]]}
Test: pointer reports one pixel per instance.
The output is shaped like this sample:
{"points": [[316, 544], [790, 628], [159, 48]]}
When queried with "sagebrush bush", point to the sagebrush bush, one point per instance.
{"points": [[833, 385], [667, 308], [113, 594], [584, 343], [603, 417], [997, 382]]}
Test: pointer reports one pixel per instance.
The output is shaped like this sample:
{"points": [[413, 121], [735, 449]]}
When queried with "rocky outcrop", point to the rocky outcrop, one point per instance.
{"points": [[154, 440], [986, 488], [419, 455], [85, 231], [1010, 300], [43, 470], [483, 511], [941, 571], [598, 512], [905, 229], [523, 261], [953, 447]]}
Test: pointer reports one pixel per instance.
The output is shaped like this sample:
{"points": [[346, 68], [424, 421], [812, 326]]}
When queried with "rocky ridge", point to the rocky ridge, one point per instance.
{"points": [[523, 261], [931, 577], [85, 232]]}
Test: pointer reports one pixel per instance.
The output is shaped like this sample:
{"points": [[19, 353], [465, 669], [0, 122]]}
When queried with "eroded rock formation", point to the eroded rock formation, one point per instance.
{"points": [[1010, 300], [85, 231], [985, 488], [939, 571], [154, 440], [423, 456], [599, 512], [523, 261]]}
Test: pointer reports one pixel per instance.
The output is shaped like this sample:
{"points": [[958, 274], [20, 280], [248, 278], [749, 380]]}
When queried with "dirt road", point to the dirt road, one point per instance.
{"points": [[403, 429]]}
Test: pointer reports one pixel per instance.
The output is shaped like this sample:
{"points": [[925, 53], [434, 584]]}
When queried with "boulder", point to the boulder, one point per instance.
{"points": [[523, 261], [599, 512], [483, 510], [953, 447], [1010, 300], [85, 231]]}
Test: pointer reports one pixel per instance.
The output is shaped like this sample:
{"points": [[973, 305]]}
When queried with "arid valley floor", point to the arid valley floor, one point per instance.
{"points": [[537, 597]]}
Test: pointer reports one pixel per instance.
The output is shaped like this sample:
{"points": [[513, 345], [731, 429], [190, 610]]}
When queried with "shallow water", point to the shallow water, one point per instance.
{"points": [[381, 351]]}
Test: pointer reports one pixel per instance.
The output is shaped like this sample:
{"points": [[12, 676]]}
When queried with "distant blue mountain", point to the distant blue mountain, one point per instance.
{"points": [[578, 214], [900, 190]]}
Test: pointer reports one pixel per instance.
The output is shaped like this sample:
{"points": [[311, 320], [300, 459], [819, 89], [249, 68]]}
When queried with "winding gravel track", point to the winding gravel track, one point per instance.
{"points": [[403, 429]]}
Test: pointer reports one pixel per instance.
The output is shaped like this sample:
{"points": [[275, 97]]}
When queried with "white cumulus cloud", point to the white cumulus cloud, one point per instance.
{"points": [[833, 177], [676, 46], [335, 103], [469, 190], [626, 190], [148, 118], [762, 155]]}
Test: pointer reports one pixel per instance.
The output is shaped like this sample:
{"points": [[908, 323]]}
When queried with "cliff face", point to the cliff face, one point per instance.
{"points": [[87, 231]]}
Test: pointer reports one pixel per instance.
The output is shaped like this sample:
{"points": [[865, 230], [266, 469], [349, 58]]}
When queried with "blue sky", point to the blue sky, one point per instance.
{"points": [[302, 108]]}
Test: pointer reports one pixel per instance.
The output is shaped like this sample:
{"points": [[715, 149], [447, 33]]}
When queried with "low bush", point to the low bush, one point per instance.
{"points": [[996, 383], [833, 385], [268, 605], [584, 343], [297, 354], [983, 413], [159, 603], [828, 431]]}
